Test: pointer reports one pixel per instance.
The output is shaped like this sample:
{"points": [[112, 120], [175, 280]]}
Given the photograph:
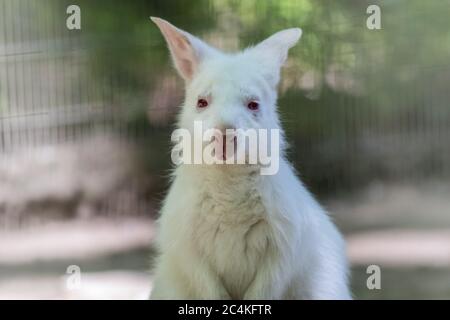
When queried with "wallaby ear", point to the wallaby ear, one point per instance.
{"points": [[186, 50], [276, 47]]}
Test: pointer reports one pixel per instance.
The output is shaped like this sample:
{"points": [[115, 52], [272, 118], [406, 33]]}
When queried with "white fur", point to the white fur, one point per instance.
{"points": [[225, 231]]}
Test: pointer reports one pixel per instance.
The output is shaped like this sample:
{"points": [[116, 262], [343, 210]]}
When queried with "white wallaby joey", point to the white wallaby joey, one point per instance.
{"points": [[227, 231]]}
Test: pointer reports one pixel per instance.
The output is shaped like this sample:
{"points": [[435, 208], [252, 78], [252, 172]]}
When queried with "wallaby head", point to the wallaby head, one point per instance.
{"points": [[228, 90]]}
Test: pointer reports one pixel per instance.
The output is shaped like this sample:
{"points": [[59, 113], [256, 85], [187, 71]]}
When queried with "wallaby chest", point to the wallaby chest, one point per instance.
{"points": [[232, 232]]}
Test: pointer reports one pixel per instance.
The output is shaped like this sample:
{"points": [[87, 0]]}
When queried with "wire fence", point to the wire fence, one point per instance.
{"points": [[49, 94]]}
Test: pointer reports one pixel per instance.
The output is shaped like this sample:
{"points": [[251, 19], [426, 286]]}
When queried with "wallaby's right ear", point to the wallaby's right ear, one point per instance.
{"points": [[186, 50]]}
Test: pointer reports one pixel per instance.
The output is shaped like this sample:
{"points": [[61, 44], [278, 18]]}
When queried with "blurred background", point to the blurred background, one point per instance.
{"points": [[86, 117]]}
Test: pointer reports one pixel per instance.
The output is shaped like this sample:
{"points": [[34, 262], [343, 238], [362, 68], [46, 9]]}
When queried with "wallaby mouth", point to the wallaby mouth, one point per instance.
{"points": [[226, 146]]}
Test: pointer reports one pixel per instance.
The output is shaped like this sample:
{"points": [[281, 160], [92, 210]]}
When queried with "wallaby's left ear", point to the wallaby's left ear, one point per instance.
{"points": [[276, 47]]}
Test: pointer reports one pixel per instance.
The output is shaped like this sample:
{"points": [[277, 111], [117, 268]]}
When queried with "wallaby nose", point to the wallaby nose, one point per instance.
{"points": [[224, 127]]}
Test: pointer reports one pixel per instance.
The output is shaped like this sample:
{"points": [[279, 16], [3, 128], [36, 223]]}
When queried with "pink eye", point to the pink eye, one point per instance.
{"points": [[253, 105], [202, 103]]}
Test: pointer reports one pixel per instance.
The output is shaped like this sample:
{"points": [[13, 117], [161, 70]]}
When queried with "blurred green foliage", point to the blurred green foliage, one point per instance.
{"points": [[351, 98]]}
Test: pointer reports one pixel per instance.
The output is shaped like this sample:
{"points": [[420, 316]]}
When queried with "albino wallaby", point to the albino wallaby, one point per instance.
{"points": [[226, 231]]}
